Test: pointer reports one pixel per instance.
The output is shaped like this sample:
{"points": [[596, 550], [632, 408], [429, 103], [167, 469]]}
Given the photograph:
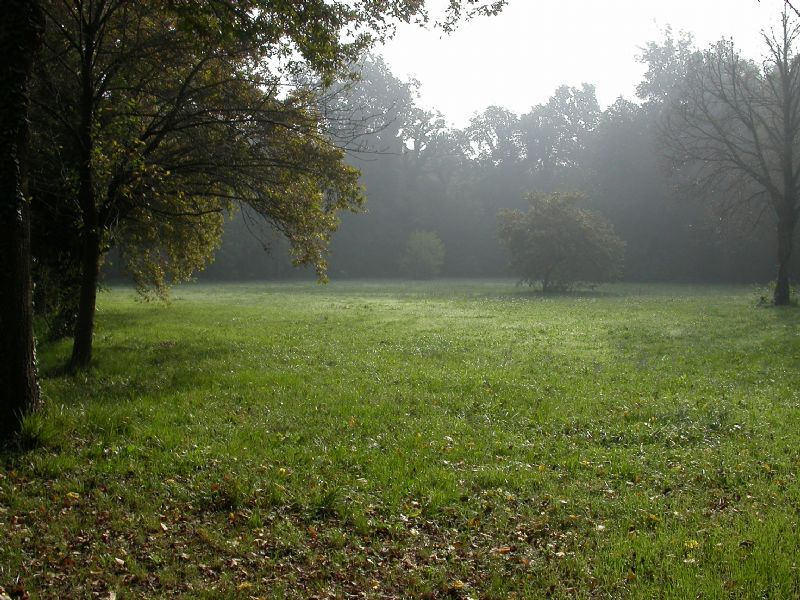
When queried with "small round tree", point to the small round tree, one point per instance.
{"points": [[559, 244], [423, 256]]}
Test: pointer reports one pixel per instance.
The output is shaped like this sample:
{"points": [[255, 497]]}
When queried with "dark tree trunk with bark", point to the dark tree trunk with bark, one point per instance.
{"points": [[84, 326], [20, 38], [90, 243]]}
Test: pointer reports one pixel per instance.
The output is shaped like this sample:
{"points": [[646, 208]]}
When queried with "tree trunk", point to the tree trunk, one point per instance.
{"points": [[84, 326], [20, 38], [90, 250], [546, 278], [786, 226], [90, 271]]}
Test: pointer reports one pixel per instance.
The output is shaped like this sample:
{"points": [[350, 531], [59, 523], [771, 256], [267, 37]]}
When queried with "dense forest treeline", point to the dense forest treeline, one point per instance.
{"points": [[419, 174]]}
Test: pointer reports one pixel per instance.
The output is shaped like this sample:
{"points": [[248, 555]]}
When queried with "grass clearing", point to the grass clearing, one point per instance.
{"points": [[449, 439]]}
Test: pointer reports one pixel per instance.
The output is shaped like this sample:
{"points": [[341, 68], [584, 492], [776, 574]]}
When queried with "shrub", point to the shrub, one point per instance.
{"points": [[559, 244], [423, 256]]}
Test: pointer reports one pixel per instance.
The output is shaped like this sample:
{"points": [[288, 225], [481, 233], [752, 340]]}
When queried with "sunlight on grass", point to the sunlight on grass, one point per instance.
{"points": [[401, 439]]}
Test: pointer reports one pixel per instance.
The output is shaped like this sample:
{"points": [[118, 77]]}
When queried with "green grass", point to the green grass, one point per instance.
{"points": [[463, 439]]}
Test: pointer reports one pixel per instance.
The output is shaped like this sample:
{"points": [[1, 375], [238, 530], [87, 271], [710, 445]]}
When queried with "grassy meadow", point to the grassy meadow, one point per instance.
{"points": [[455, 439]]}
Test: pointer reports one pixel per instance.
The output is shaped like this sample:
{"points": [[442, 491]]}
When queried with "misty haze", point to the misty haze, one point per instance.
{"points": [[406, 299]]}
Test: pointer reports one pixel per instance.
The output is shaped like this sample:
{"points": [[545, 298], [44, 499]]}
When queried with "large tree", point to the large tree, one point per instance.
{"points": [[735, 127], [170, 113], [21, 31]]}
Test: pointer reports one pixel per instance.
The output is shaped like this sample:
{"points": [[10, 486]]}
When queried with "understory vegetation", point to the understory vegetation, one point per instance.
{"points": [[458, 439]]}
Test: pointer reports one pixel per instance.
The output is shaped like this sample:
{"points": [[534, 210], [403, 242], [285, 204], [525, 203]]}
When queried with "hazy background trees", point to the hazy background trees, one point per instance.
{"points": [[420, 174], [735, 126]]}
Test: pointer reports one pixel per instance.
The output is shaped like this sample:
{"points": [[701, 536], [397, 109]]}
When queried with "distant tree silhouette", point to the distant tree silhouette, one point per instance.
{"points": [[557, 243]]}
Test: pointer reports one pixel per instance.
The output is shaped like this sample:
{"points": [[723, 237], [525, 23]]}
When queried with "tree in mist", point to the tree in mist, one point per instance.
{"points": [[557, 243], [632, 189], [670, 235], [388, 160], [411, 163], [21, 31], [667, 61], [495, 136], [735, 126], [423, 256], [555, 136]]}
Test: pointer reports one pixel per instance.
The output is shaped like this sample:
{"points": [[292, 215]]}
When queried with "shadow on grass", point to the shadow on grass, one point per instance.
{"points": [[136, 368], [788, 336], [528, 292]]}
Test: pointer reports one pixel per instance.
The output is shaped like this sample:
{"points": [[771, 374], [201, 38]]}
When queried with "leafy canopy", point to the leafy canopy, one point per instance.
{"points": [[558, 243]]}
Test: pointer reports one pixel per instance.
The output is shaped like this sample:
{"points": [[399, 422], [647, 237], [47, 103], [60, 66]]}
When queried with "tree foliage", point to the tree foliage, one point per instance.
{"points": [[423, 256], [667, 61], [557, 243], [162, 120], [164, 116]]}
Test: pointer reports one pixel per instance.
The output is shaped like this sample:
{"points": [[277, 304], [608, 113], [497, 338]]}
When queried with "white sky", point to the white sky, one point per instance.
{"points": [[518, 58]]}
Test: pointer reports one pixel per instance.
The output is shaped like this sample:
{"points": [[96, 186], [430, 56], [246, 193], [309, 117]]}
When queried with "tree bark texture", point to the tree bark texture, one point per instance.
{"points": [[90, 243], [84, 326], [21, 30]]}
